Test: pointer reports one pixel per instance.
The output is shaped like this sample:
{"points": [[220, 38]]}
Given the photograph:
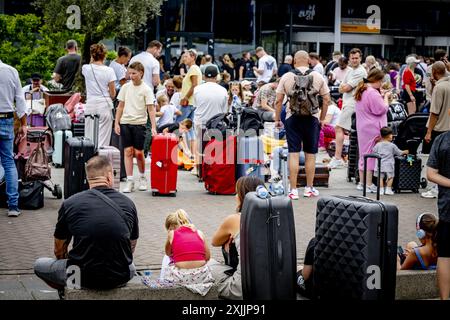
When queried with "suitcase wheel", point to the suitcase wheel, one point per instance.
{"points": [[415, 190], [154, 193], [57, 191], [423, 183], [57, 165], [173, 194]]}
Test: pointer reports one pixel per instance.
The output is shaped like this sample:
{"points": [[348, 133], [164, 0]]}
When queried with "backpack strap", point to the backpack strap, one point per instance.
{"points": [[299, 73]]}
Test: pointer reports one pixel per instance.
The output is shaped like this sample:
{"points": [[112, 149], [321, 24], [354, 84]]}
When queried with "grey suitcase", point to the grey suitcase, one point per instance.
{"points": [[250, 157], [93, 135], [113, 154], [268, 253]]}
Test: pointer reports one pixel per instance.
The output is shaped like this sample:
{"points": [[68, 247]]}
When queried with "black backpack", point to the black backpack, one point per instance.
{"points": [[250, 120], [220, 122]]}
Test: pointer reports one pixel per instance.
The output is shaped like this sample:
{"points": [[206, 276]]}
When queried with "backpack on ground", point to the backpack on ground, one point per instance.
{"points": [[303, 99]]}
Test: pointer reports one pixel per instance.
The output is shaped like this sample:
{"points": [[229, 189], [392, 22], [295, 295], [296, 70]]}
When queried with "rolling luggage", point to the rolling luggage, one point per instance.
{"points": [[77, 152], [356, 252], [36, 120], [113, 154], [250, 157], [164, 168], [353, 158], [407, 174], [117, 142], [321, 176], [268, 248], [60, 138], [93, 136], [219, 166]]}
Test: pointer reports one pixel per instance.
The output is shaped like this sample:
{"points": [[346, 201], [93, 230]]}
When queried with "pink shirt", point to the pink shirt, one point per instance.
{"points": [[187, 245]]}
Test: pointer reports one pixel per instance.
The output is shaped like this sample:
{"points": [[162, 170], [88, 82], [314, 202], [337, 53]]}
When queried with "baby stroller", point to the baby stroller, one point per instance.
{"points": [[25, 150], [412, 128]]}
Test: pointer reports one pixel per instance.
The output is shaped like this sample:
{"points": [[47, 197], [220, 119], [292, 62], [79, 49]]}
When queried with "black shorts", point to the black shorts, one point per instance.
{"points": [[302, 129], [133, 136], [443, 239]]}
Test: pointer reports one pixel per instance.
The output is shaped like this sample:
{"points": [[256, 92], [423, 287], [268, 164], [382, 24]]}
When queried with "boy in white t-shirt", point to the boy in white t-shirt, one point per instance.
{"points": [[167, 111], [136, 103], [267, 66]]}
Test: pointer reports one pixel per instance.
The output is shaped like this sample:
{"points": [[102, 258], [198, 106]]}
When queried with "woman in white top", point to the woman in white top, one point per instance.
{"points": [[100, 90]]}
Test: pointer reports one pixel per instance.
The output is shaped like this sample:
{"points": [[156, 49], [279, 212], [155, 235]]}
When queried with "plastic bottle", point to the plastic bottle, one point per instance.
{"points": [[262, 192]]}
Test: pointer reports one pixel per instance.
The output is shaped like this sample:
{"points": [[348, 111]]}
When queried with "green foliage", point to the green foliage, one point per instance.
{"points": [[30, 46], [102, 19], [111, 55]]}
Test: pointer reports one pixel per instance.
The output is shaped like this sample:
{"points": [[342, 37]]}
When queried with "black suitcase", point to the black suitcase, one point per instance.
{"points": [[77, 152], [407, 174], [268, 248], [353, 158], [31, 195], [116, 141], [356, 252]]}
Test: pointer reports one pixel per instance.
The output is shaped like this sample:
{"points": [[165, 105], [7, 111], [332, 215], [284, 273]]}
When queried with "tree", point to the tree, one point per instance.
{"points": [[30, 46], [100, 19]]}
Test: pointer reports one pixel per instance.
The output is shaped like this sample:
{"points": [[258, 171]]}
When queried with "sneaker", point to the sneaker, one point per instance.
{"points": [[430, 194], [310, 192], [129, 187], [388, 191], [373, 188], [14, 212], [359, 187], [143, 184], [336, 164], [293, 195], [382, 192]]}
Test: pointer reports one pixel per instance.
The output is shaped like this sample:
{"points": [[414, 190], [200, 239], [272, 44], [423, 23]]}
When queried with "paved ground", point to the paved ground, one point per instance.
{"points": [[30, 236]]}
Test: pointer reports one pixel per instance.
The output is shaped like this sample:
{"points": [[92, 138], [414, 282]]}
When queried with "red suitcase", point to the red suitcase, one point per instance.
{"points": [[219, 166], [164, 167]]}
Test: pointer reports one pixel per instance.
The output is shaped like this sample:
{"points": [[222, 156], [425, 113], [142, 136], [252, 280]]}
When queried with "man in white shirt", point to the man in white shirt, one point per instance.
{"points": [[34, 89], [347, 87], [267, 66], [314, 61], [151, 65], [210, 100]]}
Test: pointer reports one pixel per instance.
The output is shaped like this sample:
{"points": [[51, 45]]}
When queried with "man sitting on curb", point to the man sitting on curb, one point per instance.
{"points": [[104, 225]]}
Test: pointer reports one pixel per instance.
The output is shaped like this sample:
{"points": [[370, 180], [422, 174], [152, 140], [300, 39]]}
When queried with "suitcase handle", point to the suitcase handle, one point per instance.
{"points": [[373, 156]]}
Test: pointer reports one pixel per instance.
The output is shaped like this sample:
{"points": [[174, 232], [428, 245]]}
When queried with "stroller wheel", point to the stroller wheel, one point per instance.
{"points": [[423, 183], [57, 191]]}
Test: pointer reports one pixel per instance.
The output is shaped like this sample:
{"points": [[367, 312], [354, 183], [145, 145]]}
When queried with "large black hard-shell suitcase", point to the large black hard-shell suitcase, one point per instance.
{"points": [[407, 173], [78, 151], [268, 248], [356, 237]]}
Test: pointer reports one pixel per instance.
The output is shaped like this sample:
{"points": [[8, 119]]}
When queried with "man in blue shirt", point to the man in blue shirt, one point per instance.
{"points": [[11, 94]]}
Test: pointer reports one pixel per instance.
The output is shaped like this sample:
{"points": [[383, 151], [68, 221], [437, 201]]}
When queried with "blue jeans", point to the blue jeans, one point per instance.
{"points": [[187, 113], [7, 160]]}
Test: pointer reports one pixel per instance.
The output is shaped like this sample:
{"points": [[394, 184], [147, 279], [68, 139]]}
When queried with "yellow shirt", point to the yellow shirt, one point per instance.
{"points": [[187, 83], [136, 99]]}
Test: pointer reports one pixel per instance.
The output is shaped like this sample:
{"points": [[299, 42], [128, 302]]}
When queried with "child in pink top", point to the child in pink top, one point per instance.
{"points": [[188, 252]]}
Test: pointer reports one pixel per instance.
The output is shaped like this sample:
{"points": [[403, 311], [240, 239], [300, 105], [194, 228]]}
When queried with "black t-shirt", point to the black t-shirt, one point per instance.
{"points": [[284, 68], [248, 69], [440, 159], [67, 67], [101, 244]]}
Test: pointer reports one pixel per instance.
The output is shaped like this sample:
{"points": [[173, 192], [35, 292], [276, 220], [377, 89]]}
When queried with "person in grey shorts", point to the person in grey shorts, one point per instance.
{"points": [[104, 226], [387, 151]]}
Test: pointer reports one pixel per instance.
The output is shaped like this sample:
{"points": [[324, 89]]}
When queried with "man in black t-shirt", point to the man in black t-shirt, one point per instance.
{"points": [[67, 66], [438, 171], [246, 65], [104, 227]]}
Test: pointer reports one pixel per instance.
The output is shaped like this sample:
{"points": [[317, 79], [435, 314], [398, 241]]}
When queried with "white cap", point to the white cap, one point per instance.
{"points": [[412, 59]]}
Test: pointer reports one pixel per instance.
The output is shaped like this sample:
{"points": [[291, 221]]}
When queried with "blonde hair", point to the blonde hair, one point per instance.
{"points": [[177, 219], [161, 99]]}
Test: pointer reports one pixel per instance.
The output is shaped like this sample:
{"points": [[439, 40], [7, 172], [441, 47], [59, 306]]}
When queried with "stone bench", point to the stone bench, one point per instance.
{"points": [[414, 285], [410, 285]]}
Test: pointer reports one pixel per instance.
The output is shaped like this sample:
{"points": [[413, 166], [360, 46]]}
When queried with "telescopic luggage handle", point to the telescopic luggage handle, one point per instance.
{"points": [[373, 156]]}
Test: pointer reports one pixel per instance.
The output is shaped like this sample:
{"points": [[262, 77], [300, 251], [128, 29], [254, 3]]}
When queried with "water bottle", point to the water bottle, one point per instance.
{"points": [[277, 188], [262, 192]]}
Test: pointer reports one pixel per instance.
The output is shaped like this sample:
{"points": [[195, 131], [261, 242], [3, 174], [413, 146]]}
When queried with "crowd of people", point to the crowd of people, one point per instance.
{"points": [[298, 93]]}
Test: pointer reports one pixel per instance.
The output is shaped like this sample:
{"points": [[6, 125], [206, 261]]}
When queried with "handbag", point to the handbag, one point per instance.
{"points": [[31, 195]]}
